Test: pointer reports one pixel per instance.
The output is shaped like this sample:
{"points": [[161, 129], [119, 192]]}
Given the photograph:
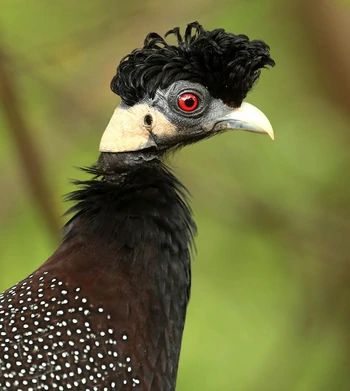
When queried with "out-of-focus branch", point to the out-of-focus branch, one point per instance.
{"points": [[27, 150], [329, 25]]}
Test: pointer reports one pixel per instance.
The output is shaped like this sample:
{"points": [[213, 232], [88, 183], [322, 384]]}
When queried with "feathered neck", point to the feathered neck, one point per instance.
{"points": [[125, 185], [134, 217]]}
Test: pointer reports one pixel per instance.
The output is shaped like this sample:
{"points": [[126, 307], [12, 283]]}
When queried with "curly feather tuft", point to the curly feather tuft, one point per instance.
{"points": [[225, 63]]}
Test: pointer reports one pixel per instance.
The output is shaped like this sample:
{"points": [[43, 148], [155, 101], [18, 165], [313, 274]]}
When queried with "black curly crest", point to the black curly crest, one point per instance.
{"points": [[225, 63]]}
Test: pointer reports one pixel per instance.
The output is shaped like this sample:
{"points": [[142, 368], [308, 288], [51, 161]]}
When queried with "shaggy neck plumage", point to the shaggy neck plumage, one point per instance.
{"points": [[129, 185], [137, 209]]}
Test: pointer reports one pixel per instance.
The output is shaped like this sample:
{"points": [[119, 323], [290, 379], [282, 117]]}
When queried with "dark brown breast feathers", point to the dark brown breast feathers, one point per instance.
{"points": [[107, 310]]}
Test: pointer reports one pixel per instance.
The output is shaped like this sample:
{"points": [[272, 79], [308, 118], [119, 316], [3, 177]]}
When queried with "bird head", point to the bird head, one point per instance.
{"points": [[176, 94]]}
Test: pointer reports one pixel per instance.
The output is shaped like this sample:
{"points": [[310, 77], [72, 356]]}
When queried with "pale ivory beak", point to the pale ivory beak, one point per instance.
{"points": [[126, 131], [246, 117]]}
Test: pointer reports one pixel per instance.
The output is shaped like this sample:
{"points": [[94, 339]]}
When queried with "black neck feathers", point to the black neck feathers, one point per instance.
{"points": [[128, 191], [133, 223]]}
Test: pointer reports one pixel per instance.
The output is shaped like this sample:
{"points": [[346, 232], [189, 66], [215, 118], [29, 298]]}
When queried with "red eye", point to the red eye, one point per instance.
{"points": [[188, 101]]}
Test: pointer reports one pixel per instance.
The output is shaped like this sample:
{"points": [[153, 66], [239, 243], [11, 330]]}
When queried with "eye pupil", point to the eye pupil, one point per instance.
{"points": [[188, 101]]}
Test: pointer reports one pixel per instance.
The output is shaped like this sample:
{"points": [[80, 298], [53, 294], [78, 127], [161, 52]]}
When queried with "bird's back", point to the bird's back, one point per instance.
{"points": [[53, 337], [106, 310]]}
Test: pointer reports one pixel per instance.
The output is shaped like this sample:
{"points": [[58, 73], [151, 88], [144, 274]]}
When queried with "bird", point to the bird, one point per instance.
{"points": [[106, 311]]}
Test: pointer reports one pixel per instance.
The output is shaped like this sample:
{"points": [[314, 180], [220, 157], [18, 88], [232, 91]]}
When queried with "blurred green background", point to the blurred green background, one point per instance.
{"points": [[270, 307]]}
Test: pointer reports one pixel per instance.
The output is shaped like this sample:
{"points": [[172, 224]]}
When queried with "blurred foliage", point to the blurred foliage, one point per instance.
{"points": [[270, 298]]}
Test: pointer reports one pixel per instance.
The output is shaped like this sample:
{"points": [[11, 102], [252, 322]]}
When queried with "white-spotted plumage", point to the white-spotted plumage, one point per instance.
{"points": [[52, 338]]}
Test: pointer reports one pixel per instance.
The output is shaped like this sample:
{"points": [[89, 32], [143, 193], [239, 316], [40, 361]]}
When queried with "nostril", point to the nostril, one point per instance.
{"points": [[148, 120]]}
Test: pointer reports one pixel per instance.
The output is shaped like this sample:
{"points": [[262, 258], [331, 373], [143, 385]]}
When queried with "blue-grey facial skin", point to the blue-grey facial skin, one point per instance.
{"points": [[190, 125]]}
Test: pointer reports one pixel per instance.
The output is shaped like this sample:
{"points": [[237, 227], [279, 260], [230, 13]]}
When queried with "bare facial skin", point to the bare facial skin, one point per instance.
{"points": [[160, 122]]}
